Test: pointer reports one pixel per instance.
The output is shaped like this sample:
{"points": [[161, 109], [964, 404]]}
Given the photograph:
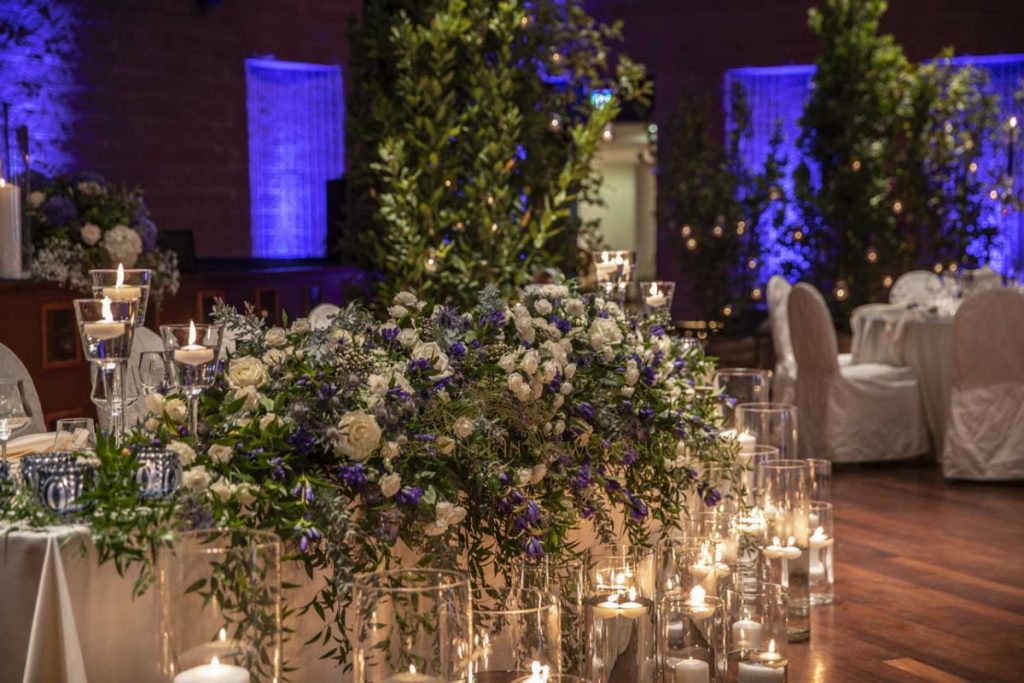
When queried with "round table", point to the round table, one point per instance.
{"points": [[896, 335]]}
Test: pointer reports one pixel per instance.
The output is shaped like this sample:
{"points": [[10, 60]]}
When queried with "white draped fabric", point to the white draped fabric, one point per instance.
{"points": [[985, 439], [849, 413], [784, 377], [916, 287], [11, 367]]}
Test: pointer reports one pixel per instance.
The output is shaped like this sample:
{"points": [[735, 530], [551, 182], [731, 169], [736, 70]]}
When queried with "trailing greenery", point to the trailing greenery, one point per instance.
{"points": [[474, 135]]}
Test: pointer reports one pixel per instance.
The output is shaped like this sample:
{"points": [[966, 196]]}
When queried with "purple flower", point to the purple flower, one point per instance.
{"points": [[389, 333], [533, 547], [629, 457], [409, 495], [585, 410], [612, 485], [277, 468], [301, 440], [303, 544], [637, 508], [148, 232], [710, 495], [458, 349], [646, 413], [582, 479], [59, 211], [353, 475], [561, 324], [657, 331]]}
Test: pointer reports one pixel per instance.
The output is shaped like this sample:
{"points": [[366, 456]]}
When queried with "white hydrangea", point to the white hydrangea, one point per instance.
{"points": [[123, 245]]}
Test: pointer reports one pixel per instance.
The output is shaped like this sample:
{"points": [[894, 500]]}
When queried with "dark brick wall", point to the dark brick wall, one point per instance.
{"points": [[162, 99]]}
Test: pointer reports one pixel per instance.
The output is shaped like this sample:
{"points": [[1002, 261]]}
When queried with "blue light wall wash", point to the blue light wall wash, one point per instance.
{"points": [[777, 95], [38, 58], [296, 144]]}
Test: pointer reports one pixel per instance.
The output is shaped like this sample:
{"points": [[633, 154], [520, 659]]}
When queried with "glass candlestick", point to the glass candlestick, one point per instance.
{"points": [[13, 416], [106, 328], [192, 352], [124, 285], [614, 270]]}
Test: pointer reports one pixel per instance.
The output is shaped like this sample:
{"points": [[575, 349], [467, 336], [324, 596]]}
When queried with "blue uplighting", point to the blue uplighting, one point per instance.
{"points": [[296, 145], [38, 57], [777, 95]]}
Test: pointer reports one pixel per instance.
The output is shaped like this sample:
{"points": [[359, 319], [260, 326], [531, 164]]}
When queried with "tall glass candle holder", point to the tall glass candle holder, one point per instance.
{"points": [[771, 424], [620, 617], [657, 296], [676, 559], [515, 632], [786, 503], [106, 328], [822, 543], [821, 480], [192, 352], [220, 607], [566, 578], [412, 626], [755, 616], [691, 639], [614, 271], [123, 284], [736, 386]]}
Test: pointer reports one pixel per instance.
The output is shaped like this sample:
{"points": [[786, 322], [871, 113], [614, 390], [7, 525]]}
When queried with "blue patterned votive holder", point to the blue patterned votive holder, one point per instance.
{"points": [[159, 472], [28, 468], [60, 486]]}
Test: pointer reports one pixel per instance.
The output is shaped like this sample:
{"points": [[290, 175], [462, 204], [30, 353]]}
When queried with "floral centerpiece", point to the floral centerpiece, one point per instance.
{"points": [[463, 439], [81, 222]]}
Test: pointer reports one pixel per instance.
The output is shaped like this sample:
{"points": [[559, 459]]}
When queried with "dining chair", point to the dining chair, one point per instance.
{"points": [[849, 413], [981, 280], [11, 367], [985, 429], [915, 287]]}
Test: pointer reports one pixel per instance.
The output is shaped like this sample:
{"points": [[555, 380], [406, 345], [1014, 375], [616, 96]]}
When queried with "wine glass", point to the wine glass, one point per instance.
{"points": [[129, 386], [12, 414], [152, 371]]}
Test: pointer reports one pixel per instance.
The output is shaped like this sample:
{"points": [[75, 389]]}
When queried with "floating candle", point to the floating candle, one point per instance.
{"points": [[655, 298], [774, 550], [819, 539], [120, 291], [791, 551], [411, 676], [609, 609], [632, 609], [106, 328], [698, 604], [193, 354]]}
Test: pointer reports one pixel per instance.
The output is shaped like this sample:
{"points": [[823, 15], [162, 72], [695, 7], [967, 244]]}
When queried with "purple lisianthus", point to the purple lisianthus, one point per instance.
{"points": [[585, 410], [353, 475], [458, 350], [389, 333], [277, 468], [59, 211], [637, 508], [147, 232], [629, 457], [710, 495], [409, 495], [533, 548], [582, 479], [646, 413]]}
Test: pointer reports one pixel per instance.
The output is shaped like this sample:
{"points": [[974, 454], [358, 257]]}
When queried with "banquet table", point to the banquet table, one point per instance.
{"points": [[914, 337]]}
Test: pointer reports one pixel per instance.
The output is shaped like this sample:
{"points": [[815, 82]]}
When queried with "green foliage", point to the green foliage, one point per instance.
{"points": [[459, 176], [715, 204]]}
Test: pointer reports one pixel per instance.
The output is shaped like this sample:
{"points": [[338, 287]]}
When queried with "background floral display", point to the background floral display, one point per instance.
{"points": [[80, 223], [455, 439]]}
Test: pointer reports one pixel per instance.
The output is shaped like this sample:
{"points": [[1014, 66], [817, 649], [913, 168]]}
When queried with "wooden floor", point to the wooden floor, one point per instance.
{"points": [[929, 582]]}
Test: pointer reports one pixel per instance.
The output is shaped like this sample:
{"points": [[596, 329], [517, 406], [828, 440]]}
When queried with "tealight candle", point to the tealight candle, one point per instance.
{"points": [[632, 609], [605, 267], [193, 354], [655, 298], [538, 674], [764, 667], [214, 672], [791, 551], [774, 550], [698, 605], [609, 609], [819, 539], [692, 671], [411, 676], [106, 328], [120, 291]]}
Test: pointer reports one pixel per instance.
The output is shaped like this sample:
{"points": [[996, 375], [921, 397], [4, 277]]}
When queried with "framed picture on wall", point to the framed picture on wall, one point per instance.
{"points": [[205, 302], [61, 346]]}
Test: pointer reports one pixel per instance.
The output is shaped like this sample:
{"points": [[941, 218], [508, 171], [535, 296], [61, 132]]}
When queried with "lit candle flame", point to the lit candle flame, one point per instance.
{"points": [[771, 646], [604, 257], [191, 332], [654, 289], [776, 541], [819, 532], [215, 663], [120, 275], [632, 595], [697, 594], [222, 636], [791, 541], [108, 316], [412, 667]]}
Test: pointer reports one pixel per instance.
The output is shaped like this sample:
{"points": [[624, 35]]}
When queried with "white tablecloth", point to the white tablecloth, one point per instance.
{"points": [[924, 341]]}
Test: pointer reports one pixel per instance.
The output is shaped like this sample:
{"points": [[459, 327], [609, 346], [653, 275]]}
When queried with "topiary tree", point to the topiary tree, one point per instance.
{"points": [[482, 139]]}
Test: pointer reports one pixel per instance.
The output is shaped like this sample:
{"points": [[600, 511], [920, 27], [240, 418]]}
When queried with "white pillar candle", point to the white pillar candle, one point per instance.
{"points": [[692, 671], [10, 230], [750, 672], [746, 634], [214, 672]]}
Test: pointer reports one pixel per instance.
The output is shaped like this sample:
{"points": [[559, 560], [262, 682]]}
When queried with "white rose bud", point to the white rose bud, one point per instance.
{"points": [[524, 326], [91, 234], [557, 401], [222, 490], [408, 338], [267, 420], [406, 298], [632, 373], [538, 474], [542, 306], [246, 494], [391, 449], [390, 484], [463, 427], [219, 453], [155, 403], [301, 326], [530, 362], [152, 424], [559, 427], [523, 476], [276, 336], [445, 445], [397, 312], [550, 370], [569, 371], [36, 199], [196, 479], [628, 391], [566, 388], [515, 382], [176, 410]]}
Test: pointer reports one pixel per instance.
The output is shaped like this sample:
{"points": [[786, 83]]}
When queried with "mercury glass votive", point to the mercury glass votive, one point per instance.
{"points": [[736, 386], [771, 424], [412, 625], [754, 616], [159, 472], [516, 632], [691, 639], [785, 500], [220, 607], [61, 485], [657, 296], [28, 466], [123, 284], [192, 353], [822, 544], [620, 616]]}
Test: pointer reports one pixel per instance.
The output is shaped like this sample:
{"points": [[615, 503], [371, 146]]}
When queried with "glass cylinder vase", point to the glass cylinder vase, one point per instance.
{"points": [[620, 617], [822, 546], [771, 424], [124, 284], [691, 639], [736, 386], [412, 625], [755, 616], [220, 595], [515, 631], [192, 353]]}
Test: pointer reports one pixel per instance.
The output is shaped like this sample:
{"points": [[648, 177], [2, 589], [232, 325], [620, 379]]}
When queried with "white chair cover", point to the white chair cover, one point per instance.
{"points": [[784, 377], [916, 287], [11, 367], [985, 436], [981, 280], [320, 316], [849, 413]]}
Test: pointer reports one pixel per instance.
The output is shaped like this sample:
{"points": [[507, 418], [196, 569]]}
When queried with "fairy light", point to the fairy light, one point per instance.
{"points": [[973, 168], [608, 132], [691, 244], [1013, 122], [555, 123], [855, 165], [887, 281], [752, 264], [953, 267], [686, 231], [755, 294], [897, 207], [872, 255], [726, 311], [741, 227], [841, 291], [993, 195], [448, 183], [494, 227], [556, 57], [490, 200], [798, 235], [717, 231], [937, 267]]}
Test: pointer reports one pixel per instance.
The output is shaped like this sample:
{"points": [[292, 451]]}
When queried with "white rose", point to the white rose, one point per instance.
{"points": [[507, 362], [569, 371], [463, 427], [246, 493], [267, 420], [604, 332], [530, 362], [301, 326], [123, 245], [524, 326], [515, 382], [390, 484], [91, 234], [538, 474], [397, 312], [542, 306], [155, 403], [246, 371], [408, 338], [566, 388], [520, 311], [430, 351], [274, 357], [445, 445], [196, 479], [550, 368], [575, 307], [557, 401], [220, 453], [559, 427], [378, 385], [176, 410], [557, 352], [152, 424], [536, 389], [222, 489], [359, 435], [523, 475], [628, 391], [406, 298], [243, 422], [276, 336], [185, 453], [632, 373], [36, 199], [391, 449], [250, 396]]}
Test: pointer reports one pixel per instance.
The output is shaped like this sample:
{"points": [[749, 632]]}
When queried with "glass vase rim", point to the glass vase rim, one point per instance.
{"points": [[458, 579], [783, 464], [817, 460], [185, 326], [546, 601], [743, 371], [821, 504], [684, 598], [126, 270], [767, 407], [189, 540]]}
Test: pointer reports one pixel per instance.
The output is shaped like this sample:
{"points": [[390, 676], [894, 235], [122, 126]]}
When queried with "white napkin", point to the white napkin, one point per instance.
{"points": [[31, 443]]}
